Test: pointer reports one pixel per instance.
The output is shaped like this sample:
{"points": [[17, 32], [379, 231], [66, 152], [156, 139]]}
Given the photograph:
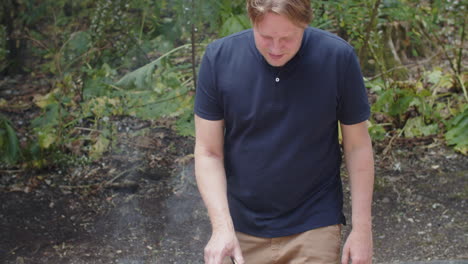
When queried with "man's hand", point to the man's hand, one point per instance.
{"points": [[221, 245], [358, 248]]}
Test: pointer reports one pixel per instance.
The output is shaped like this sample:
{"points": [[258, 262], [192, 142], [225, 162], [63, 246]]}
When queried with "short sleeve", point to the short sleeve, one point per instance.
{"points": [[207, 103], [353, 104]]}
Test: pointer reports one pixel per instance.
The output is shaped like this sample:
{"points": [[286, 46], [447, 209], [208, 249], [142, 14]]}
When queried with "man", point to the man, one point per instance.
{"points": [[267, 156]]}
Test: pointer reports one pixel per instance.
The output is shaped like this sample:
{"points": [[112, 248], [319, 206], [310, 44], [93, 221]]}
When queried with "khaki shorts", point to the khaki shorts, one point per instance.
{"points": [[321, 245]]}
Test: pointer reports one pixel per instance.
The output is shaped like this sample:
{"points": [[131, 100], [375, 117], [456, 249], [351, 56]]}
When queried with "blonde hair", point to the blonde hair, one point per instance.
{"points": [[297, 11]]}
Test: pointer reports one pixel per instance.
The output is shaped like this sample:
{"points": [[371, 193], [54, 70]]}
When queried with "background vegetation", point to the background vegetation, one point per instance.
{"points": [[93, 63]]}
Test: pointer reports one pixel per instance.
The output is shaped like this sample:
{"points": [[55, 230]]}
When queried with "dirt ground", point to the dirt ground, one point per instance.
{"points": [[142, 206]]}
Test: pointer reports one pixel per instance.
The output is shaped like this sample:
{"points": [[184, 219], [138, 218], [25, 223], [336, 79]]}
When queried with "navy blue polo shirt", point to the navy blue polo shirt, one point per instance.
{"points": [[281, 151]]}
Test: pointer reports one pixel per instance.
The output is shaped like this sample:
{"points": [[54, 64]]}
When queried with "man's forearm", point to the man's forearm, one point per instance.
{"points": [[360, 164], [211, 181]]}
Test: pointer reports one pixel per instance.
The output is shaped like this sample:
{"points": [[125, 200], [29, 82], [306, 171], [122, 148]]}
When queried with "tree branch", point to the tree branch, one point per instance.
{"points": [[194, 72], [363, 49]]}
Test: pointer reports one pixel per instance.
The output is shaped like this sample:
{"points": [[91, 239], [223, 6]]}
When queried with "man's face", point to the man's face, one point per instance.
{"points": [[277, 38]]}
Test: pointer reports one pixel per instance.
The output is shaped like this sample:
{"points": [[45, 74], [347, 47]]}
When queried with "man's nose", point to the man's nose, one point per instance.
{"points": [[276, 46]]}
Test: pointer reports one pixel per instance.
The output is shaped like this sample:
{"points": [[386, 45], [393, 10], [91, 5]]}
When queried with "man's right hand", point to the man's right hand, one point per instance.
{"points": [[221, 245]]}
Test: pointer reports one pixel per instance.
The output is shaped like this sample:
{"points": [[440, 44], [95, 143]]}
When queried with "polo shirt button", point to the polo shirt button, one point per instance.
{"points": [[277, 79]]}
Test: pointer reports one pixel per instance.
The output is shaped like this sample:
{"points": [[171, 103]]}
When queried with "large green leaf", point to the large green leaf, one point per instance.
{"points": [[394, 102], [383, 102], [12, 143], [9, 144], [79, 43], [142, 78], [47, 137], [97, 82], [172, 103], [49, 118], [401, 105], [434, 76], [3, 137], [415, 127], [99, 147], [457, 134]]}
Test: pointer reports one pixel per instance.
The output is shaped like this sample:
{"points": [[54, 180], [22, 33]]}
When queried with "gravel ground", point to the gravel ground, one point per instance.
{"points": [[155, 216]]}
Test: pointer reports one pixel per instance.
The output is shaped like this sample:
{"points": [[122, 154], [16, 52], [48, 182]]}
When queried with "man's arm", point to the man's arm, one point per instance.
{"points": [[211, 181], [360, 165]]}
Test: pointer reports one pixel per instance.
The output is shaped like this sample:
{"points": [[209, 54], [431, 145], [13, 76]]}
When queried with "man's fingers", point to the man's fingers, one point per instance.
{"points": [[221, 246], [214, 260], [213, 256], [345, 259], [345, 256], [238, 258]]}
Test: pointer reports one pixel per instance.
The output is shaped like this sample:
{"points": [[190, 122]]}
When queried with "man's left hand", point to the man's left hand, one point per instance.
{"points": [[358, 248]]}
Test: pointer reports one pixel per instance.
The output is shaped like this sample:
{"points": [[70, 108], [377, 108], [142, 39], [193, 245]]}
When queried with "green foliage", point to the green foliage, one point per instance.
{"points": [[416, 127], [185, 124], [9, 145], [344, 17], [393, 102], [457, 133], [377, 131], [390, 33], [3, 50], [108, 59], [417, 108], [158, 89], [161, 88], [46, 132], [75, 48], [49, 128], [97, 81], [142, 78], [235, 24], [101, 144]]}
